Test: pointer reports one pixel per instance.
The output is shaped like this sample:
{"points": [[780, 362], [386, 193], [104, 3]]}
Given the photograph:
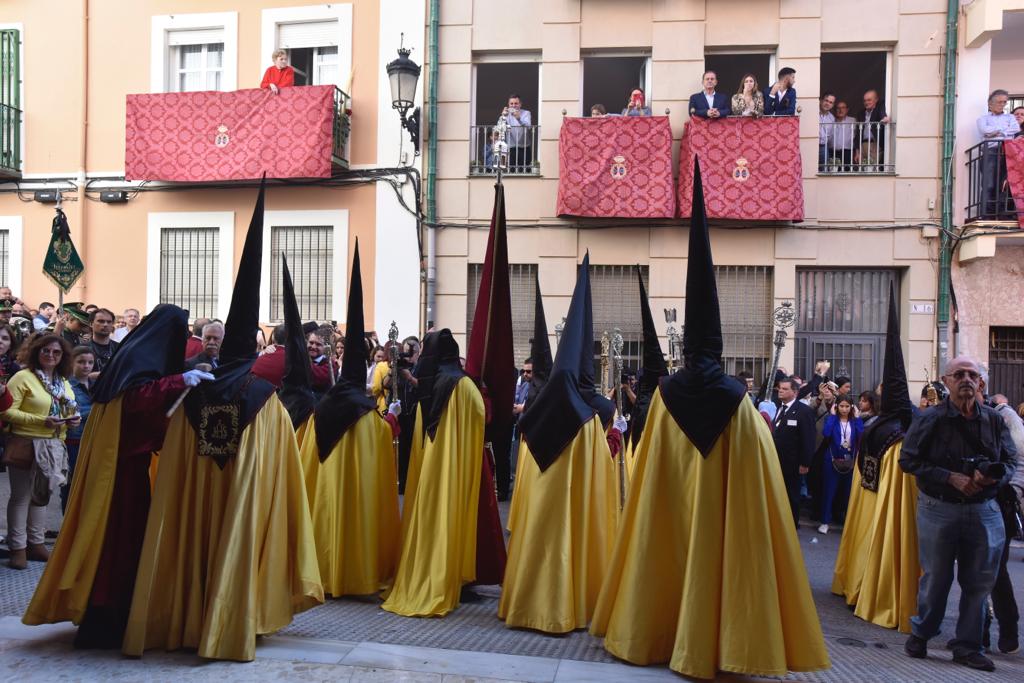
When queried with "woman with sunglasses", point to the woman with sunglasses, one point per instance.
{"points": [[43, 407]]}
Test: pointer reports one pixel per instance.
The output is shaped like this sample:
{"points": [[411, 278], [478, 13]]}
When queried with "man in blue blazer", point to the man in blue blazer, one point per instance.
{"points": [[709, 104], [780, 100]]}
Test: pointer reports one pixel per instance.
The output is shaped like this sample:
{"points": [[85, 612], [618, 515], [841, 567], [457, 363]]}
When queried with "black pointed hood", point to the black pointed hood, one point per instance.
{"points": [[654, 364], [346, 401], [244, 315], [296, 386], [896, 409], [540, 348], [587, 380], [562, 407], [154, 349], [438, 371], [700, 396], [221, 409]]}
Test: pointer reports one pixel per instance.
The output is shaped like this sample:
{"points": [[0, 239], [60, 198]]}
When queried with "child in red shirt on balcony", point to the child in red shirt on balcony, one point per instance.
{"points": [[280, 75]]}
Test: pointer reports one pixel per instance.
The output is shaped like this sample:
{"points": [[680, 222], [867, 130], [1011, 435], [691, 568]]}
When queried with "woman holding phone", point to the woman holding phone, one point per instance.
{"points": [[42, 408]]}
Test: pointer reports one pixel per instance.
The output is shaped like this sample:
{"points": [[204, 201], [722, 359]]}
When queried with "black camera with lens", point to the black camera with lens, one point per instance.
{"points": [[985, 467]]}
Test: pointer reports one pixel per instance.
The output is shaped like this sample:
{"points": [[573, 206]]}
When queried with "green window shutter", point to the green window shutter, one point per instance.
{"points": [[10, 102]]}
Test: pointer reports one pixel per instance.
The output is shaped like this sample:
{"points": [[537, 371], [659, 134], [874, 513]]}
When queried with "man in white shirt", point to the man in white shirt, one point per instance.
{"points": [[131, 321], [826, 132], [995, 126], [843, 135]]}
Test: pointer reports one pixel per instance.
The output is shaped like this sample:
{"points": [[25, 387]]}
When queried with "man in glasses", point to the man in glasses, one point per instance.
{"points": [[961, 453]]}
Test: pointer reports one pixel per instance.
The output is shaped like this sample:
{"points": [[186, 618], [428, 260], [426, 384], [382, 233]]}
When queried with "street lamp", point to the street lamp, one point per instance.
{"points": [[403, 73]]}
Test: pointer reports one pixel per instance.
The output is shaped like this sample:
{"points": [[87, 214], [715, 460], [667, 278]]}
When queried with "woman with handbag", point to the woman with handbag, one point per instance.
{"points": [[42, 407], [841, 440]]}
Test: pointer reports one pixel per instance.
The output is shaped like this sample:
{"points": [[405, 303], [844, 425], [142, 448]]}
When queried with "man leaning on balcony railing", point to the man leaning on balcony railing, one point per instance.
{"points": [[826, 128], [995, 126], [520, 144], [872, 142]]}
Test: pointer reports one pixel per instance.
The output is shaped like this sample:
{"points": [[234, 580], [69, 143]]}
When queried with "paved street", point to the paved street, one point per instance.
{"points": [[356, 640]]}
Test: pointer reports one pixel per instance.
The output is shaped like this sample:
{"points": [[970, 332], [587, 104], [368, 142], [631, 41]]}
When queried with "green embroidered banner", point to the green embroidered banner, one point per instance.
{"points": [[62, 264]]}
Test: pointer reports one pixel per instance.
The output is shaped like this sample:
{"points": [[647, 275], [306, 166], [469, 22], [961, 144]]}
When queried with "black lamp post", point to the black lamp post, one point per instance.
{"points": [[403, 73]]}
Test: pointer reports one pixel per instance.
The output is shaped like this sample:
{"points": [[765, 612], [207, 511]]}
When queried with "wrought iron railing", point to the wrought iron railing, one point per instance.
{"points": [[342, 127], [523, 150], [988, 193], [10, 141], [857, 148]]}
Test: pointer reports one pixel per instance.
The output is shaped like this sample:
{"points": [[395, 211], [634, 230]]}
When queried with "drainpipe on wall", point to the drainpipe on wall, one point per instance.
{"points": [[83, 155], [948, 146], [431, 200]]}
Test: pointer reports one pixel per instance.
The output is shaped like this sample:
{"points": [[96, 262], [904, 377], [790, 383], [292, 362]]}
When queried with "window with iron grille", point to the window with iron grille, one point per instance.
{"points": [[5, 257], [189, 260], [616, 297], [310, 253], [523, 285], [1006, 343], [745, 299]]}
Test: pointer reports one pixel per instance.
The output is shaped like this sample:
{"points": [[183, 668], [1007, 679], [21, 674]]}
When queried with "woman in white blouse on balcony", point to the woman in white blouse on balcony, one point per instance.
{"points": [[748, 100]]}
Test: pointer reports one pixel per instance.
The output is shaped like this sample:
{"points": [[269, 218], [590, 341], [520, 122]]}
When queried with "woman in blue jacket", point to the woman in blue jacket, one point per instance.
{"points": [[841, 441]]}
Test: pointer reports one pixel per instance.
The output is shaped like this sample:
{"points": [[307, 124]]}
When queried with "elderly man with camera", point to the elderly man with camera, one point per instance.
{"points": [[961, 453]]}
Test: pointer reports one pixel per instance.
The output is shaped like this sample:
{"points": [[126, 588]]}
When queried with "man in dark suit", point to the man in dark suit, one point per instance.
{"points": [[780, 99], [794, 441], [213, 337], [709, 104], [872, 133]]}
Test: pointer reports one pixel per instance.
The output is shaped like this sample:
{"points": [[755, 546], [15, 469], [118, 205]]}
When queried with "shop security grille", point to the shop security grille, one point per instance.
{"points": [[523, 287]]}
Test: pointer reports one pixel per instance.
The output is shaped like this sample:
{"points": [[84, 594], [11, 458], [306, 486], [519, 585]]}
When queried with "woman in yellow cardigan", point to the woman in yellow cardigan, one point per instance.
{"points": [[43, 406]]}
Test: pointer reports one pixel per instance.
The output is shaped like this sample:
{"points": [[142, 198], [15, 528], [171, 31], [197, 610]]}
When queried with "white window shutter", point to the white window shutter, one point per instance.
{"points": [[307, 34]]}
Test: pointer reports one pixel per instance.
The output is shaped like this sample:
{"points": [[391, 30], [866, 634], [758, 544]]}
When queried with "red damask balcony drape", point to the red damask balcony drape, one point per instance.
{"points": [[239, 135], [1014, 151], [750, 167], [616, 167]]}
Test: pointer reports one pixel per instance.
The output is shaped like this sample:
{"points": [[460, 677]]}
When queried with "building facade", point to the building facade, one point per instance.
{"points": [[63, 102], [864, 226]]}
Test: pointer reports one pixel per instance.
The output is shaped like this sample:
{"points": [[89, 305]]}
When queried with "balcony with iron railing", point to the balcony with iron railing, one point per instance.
{"points": [[523, 150], [988, 193], [857, 148], [10, 142]]}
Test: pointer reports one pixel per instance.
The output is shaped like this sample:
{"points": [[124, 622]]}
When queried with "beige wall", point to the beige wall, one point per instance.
{"points": [[676, 33], [112, 238], [988, 294]]}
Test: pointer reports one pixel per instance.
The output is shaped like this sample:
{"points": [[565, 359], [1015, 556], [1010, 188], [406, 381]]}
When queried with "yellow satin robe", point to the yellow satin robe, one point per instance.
{"points": [[877, 568], [63, 591], [355, 508], [229, 554], [309, 458], [439, 515], [707, 573], [563, 529]]}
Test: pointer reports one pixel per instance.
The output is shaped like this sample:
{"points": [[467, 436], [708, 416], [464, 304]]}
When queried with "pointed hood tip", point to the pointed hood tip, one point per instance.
{"points": [[702, 322], [895, 392], [243, 316]]}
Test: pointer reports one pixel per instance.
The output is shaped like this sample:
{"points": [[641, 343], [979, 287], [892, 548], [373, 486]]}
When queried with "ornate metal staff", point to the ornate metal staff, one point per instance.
{"points": [[499, 147], [393, 389], [673, 338], [784, 317], [616, 381]]}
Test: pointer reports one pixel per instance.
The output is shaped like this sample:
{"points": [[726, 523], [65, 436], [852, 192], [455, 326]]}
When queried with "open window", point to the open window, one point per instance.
{"points": [[610, 80], [494, 83], [732, 67], [312, 50], [857, 144]]}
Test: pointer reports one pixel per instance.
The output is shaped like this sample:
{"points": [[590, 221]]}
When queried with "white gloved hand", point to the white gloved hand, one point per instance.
{"points": [[620, 424], [194, 377], [395, 408]]}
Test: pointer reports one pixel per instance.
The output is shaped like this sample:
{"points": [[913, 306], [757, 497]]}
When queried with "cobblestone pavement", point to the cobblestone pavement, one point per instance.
{"points": [[362, 642]]}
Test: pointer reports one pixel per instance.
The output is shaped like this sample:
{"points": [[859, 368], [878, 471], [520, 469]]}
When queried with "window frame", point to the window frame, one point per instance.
{"points": [[271, 18], [161, 53], [176, 71], [338, 220], [14, 227], [20, 28], [645, 53], [224, 221]]}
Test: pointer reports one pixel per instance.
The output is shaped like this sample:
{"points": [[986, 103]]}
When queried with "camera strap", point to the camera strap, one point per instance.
{"points": [[972, 439]]}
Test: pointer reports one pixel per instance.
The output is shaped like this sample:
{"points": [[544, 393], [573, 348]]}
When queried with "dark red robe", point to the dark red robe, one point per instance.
{"points": [[143, 427]]}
